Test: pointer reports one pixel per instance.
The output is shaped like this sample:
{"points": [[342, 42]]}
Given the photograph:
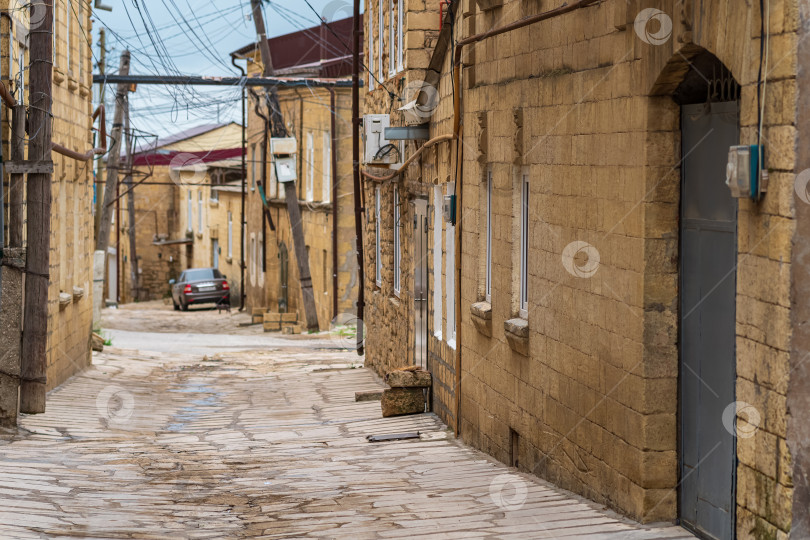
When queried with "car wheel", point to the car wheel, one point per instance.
{"points": [[183, 306], [176, 307]]}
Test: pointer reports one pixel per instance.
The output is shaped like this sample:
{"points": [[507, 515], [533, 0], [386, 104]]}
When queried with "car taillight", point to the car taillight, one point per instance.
{"points": [[187, 289], [225, 286]]}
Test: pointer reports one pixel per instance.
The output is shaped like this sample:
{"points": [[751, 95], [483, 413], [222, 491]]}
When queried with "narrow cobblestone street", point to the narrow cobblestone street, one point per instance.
{"points": [[262, 444]]}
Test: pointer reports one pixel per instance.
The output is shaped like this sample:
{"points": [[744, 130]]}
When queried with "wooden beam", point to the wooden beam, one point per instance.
{"points": [[111, 187]]}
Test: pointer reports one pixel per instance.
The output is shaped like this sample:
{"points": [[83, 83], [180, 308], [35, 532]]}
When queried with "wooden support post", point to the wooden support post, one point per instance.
{"points": [[133, 253], [16, 180], [35, 331], [293, 210], [358, 204], [113, 159]]}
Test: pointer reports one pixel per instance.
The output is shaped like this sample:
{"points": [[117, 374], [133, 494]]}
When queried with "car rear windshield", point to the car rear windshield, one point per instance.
{"points": [[203, 274]]}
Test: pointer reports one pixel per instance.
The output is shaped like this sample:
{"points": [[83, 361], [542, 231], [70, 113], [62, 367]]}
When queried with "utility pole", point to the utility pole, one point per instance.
{"points": [[358, 204], [113, 159], [133, 255], [293, 210], [102, 68], [35, 332]]}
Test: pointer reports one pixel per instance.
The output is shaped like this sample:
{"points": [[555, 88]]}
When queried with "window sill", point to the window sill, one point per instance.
{"points": [[482, 317], [213, 203], [229, 260], [517, 335], [452, 343]]}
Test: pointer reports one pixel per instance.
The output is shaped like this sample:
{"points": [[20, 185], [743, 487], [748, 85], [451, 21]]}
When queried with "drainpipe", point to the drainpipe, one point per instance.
{"points": [[333, 104], [244, 186], [358, 209]]}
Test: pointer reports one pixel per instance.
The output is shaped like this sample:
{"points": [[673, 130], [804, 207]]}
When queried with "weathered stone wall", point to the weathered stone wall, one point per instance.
{"points": [[582, 103], [71, 254], [156, 215], [389, 316], [308, 119]]}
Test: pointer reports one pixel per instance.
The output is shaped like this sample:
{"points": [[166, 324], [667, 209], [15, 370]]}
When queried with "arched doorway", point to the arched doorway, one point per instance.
{"points": [[709, 102]]}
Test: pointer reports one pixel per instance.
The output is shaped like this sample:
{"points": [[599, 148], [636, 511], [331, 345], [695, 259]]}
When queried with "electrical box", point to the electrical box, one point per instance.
{"points": [[280, 146], [284, 168], [374, 133], [744, 177], [449, 209]]}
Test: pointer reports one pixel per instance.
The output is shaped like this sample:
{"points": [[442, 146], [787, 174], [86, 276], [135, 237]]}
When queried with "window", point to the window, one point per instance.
{"points": [[437, 261], [82, 36], [381, 24], [400, 36], [450, 275], [327, 166], [377, 247], [488, 259], [524, 246], [190, 212], [200, 212], [371, 58], [310, 167], [69, 40], [392, 41], [214, 195], [397, 247], [230, 235], [252, 167]]}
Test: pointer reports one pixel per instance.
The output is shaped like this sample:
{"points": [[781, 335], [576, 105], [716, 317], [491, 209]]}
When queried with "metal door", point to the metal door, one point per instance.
{"points": [[420, 278], [708, 234]]}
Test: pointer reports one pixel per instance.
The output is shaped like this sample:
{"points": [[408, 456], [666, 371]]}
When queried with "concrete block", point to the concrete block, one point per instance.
{"points": [[368, 395], [408, 379], [399, 401]]}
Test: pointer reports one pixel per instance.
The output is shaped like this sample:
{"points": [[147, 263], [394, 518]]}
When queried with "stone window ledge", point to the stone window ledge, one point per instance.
{"points": [[517, 334], [482, 317]]}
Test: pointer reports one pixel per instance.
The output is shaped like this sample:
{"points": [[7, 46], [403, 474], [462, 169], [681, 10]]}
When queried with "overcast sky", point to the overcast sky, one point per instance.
{"points": [[192, 37]]}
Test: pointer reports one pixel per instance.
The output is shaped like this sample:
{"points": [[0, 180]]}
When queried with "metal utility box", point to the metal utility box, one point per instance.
{"points": [[374, 134], [284, 168], [280, 146]]}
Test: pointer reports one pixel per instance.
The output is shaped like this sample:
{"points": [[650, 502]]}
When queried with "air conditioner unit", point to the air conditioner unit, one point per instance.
{"points": [[375, 142]]}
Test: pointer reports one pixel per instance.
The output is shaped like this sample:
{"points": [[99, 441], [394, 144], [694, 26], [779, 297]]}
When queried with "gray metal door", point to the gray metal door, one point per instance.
{"points": [[420, 278], [708, 233]]}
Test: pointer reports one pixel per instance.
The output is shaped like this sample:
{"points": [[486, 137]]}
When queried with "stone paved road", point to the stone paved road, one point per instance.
{"points": [[250, 444]]}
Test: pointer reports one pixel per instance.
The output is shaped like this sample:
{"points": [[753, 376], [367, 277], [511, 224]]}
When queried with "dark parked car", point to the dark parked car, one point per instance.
{"points": [[200, 286]]}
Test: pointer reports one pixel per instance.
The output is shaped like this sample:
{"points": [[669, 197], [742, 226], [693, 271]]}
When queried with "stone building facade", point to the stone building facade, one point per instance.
{"points": [[319, 118], [176, 211], [69, 324], [586, 288]]}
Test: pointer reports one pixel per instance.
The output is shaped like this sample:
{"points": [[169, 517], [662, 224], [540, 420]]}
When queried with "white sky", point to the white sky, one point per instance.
{"points": [[193, 37]]}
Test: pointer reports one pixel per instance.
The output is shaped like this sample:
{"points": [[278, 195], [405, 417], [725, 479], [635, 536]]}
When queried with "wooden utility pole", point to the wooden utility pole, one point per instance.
{"points": [[293, 210], [133, 254], [102, 68], [113, 159], [358, 204], [35, 332]]}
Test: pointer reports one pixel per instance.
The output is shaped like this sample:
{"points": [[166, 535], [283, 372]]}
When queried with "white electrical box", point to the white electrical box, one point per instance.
{"points": [[374, 131], [283, 146], [284, 169]]}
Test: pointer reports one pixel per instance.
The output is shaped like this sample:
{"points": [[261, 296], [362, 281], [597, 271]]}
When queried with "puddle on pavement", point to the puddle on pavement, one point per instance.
{"points": [[208, 401]]}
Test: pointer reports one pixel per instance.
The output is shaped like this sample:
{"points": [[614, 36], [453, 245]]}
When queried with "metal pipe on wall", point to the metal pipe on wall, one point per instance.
{"points": [[333, 157], [244, 189]]}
